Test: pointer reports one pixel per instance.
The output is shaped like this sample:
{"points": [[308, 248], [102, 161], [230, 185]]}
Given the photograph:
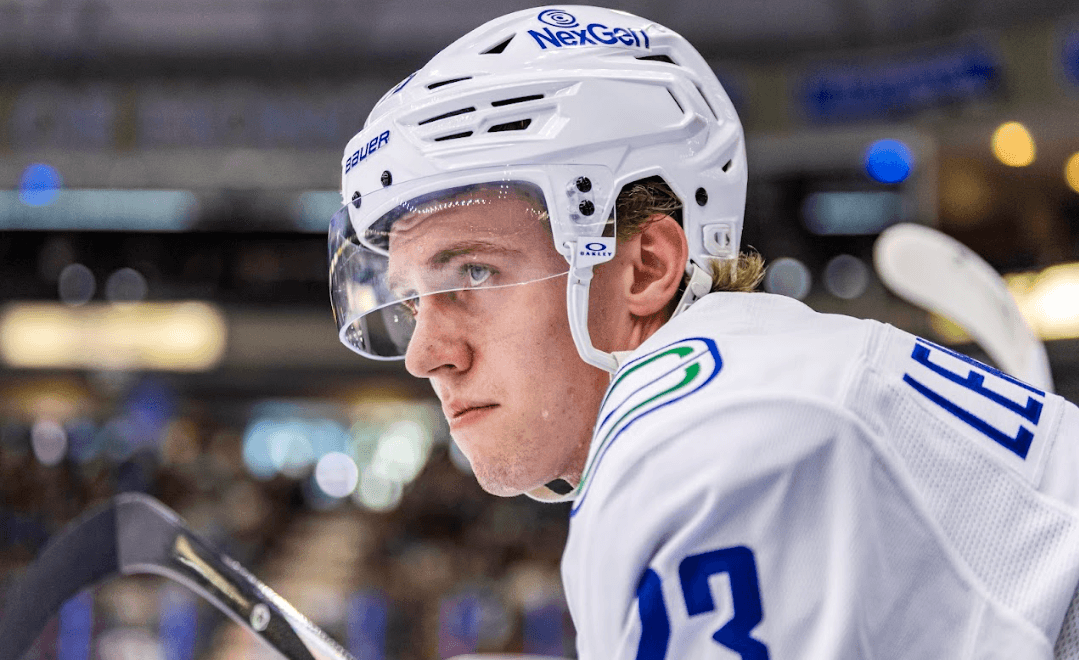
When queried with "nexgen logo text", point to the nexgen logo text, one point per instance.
{"points": [[594, 35]]}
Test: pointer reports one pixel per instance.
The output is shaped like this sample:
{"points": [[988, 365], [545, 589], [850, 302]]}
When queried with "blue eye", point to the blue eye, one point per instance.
{"points": [[477, 274]]}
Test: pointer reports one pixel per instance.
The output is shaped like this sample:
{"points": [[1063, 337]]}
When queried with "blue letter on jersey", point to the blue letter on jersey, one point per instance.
{"points": [[693, 573], [738, 564], [655, 624], [975, 382]]}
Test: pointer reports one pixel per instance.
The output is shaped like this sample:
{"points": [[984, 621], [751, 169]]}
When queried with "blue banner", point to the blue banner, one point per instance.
{"points": [[899, 86], [367, 615], [178, 623], [1069, 56], [76, 628], [545, 629], [459, 624]]}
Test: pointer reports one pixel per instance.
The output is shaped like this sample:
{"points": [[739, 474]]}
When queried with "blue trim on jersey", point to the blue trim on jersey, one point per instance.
{"points": [[642, 387], [713, 350]]}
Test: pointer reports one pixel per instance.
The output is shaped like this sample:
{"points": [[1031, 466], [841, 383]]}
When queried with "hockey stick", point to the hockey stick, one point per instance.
{"points": [[940, 274], [136, 534]]}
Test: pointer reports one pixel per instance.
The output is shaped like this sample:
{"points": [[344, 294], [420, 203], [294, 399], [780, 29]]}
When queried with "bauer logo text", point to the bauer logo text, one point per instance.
{"points": [[366, 150]]}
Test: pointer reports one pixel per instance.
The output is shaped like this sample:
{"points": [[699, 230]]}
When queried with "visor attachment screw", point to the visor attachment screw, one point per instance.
{"points": [[387, 178], [702, 196], [583, 184], [587, 207], [356, 199], [260, 617]]}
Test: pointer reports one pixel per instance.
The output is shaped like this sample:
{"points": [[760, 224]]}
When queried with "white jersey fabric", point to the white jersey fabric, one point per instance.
{"points": [[769, 482]]}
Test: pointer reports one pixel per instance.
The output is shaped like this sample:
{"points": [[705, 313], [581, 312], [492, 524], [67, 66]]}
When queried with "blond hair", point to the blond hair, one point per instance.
{"points": [[641, 201]]}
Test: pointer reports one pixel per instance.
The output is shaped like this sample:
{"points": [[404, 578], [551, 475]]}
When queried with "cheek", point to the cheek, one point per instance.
{"points": [[605, 302], [539, 355]]}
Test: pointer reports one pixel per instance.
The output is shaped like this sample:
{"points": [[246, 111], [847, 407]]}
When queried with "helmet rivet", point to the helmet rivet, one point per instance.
{"points": [[387, 178], [702, 196], [356, 199], [587, 207], [583, 184]]}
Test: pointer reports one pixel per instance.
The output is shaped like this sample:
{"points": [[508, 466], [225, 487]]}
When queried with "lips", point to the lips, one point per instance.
{"points": [[460, 412], [456, 410]]}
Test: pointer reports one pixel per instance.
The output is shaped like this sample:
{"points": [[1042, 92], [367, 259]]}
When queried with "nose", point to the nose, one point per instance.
{"points": [[439, 342]]}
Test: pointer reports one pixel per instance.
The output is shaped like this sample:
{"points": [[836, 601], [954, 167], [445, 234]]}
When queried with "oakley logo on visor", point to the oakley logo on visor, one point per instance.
{"points": [[596, 250]]}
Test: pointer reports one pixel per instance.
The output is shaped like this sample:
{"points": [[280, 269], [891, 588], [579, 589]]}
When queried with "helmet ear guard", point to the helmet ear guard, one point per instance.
{"points": [[594, 99]]}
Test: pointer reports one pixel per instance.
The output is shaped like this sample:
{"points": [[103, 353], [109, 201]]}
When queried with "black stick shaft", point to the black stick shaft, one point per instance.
{"points": [[81, 555]]}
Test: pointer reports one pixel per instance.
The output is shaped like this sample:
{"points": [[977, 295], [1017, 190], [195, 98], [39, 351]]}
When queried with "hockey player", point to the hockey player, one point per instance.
{"points": [[544, 222]]}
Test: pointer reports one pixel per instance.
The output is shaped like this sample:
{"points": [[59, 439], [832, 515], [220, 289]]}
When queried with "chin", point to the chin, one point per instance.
{"points": [[499, 490], [505, 482]]}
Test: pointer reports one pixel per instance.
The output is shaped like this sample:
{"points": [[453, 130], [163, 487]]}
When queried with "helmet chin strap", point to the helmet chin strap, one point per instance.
{"points": [[581, 261], [699, 285], [580, 279]]}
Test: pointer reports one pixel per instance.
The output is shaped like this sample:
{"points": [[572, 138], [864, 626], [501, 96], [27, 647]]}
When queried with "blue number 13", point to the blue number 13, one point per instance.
{"points": [[693, 573]]}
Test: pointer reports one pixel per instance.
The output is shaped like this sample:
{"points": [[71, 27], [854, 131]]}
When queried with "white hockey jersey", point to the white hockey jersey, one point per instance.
{"points": [[769, 482]]}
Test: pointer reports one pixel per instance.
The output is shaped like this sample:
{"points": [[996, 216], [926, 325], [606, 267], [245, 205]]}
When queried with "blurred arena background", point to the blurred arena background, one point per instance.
{"points": [[167, 173]]}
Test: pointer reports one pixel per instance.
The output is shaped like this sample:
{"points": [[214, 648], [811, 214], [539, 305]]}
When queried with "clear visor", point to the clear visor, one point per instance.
{"points": [[466, 245]]}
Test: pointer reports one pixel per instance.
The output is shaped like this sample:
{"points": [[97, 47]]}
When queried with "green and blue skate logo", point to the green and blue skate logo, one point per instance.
{"points": [[645, 385]]}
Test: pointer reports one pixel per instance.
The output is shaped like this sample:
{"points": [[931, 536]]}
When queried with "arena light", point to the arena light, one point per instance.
{"points": [[42, 204], [40, 185], [186, 336], [1013, 144], [1049, 300], [788, 276], [337, 474], [1071, 172], [889, 161], [377, 493], [313, 209]]}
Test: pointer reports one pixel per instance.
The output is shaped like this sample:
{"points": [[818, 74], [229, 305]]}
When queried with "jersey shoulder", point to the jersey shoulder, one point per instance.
{"points": [[745, 352]]}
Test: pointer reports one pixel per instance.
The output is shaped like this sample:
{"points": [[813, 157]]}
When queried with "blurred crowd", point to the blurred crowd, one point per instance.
{"points": [[450, 570]]}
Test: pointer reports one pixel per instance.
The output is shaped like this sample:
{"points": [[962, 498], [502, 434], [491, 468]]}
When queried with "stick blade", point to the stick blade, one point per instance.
{"points": [[938, 273]]}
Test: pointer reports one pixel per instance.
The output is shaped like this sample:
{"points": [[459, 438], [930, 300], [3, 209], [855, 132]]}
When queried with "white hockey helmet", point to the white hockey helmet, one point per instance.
{"points": [[556, 108]]}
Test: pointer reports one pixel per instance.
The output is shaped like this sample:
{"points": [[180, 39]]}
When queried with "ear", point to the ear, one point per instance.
{"points": [[658, 257]]}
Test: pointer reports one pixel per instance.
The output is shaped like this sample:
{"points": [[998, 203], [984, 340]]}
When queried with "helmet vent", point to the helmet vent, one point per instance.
{"points": [[675, 98], [658, 58], [519, 125], [453, 136], [436, 85], [497, 49], [705, 97], [519, 99], [727, 166], [447, 115]]}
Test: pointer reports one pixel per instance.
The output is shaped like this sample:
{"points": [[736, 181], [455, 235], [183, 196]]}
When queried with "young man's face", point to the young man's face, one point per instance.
{"points": [[520, 402]]}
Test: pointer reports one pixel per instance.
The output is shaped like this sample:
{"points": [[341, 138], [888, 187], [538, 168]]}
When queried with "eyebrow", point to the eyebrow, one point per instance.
{"points": [[448, 254]]}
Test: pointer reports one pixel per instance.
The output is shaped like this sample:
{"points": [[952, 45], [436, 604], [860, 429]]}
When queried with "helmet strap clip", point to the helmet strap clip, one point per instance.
{"points": [[700, 284]]}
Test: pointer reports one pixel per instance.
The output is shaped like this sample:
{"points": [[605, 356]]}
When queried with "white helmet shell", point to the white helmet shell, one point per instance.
{"points": [[556, 88]]}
